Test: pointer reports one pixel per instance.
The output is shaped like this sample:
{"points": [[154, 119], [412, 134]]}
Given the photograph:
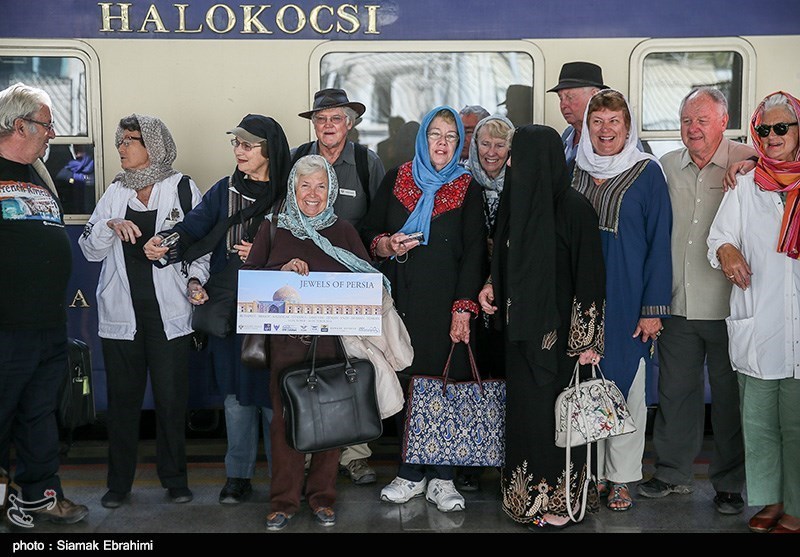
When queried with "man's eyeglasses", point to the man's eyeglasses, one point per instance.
{"points": [[244, 145], [128, 139], [450, 137], [781, 128], [335, 120], [49, 126]]}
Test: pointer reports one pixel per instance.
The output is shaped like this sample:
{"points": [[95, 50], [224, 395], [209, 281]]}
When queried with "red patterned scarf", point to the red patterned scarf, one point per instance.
{"points": [[782, 177]]}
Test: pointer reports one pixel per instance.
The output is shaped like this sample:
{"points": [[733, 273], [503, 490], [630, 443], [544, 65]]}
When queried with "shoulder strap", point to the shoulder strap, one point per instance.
{"points": [[185, 194], [362, 168], [41, 170], [362, 163], [301, 151]]}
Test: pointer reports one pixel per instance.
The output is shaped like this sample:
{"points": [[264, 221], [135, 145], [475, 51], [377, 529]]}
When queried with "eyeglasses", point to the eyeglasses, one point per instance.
{"points": [[244, 145], [450, 137], [335, 120], [128, 139], [781, 128], [49, 126]]}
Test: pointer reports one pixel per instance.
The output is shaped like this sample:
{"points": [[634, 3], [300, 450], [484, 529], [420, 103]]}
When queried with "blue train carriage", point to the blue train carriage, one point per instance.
{"points": [[200, 66]]}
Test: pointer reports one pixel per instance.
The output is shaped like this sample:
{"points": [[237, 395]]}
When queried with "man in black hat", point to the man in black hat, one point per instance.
{"points": [[358, 169], [577, 82]]}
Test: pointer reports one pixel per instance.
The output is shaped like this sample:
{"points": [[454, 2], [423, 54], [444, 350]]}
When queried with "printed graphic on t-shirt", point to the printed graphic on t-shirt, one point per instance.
{"points": [[26, 201]]}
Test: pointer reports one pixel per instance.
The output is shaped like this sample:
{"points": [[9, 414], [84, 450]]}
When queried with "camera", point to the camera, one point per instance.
{"points": [[170, 240]]}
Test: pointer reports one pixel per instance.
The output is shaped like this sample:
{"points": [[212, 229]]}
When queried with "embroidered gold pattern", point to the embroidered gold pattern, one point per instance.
{"points": [[517, 494], [549, 340], [525, 501], [586, 329]]}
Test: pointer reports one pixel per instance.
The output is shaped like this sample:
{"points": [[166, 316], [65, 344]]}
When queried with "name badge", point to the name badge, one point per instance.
{"points": [[348, 193]]}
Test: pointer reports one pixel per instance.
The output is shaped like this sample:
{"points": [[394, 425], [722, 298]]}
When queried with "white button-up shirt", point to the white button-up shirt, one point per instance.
{"points": [[764, 325]]}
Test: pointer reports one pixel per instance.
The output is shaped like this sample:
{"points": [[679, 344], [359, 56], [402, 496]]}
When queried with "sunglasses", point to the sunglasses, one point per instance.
{"points": [[781, 128]]}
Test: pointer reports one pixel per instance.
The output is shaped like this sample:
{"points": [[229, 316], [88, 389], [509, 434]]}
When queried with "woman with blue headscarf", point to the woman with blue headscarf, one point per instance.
{"points": [[436, 278], [307, 237]]}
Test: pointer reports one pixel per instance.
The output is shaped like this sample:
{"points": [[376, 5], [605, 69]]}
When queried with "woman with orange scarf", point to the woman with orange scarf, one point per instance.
{"points": [[755, 241]]}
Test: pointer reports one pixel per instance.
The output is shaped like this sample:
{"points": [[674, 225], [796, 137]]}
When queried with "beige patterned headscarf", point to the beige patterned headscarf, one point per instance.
{"points": [[160, 148]]}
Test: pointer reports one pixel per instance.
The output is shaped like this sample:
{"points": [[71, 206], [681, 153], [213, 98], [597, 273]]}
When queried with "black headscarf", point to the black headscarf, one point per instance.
{"points": [[265, 198], [536, 180]]}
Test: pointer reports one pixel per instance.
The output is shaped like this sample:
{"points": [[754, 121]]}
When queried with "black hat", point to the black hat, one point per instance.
{"points": [[333, 98], [579, 74], [252, 128]]}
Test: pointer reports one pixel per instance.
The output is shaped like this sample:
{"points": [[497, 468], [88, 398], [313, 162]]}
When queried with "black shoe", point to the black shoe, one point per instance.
{"points": [[729, 503], [180, 494], [113, 499], [468, 482], [235, 491]]}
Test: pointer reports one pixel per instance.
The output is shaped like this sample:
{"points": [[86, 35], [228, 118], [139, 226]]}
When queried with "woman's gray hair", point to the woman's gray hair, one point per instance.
{"points": [[309, 165], [778, 100], [20, 101]]}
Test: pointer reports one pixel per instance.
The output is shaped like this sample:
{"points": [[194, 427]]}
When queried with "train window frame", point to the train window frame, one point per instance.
{"points": [[648, 47], [403, 47], [86, 55]]}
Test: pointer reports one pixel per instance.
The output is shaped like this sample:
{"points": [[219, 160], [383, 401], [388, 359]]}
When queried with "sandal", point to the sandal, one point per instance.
{"points": [[602, 488], [619, 500]]}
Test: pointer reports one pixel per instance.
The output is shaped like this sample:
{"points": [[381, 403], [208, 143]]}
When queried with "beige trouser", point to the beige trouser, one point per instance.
{"points": [[619, 459], [356, 452]]}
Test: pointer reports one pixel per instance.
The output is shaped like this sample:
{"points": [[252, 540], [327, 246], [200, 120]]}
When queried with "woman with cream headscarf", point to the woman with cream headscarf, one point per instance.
{"points": [[144, 313], [629, 192], [435, 279]]}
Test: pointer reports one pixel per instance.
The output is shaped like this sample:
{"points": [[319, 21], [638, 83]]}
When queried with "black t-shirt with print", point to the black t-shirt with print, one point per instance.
{"points": [[35, 251]]}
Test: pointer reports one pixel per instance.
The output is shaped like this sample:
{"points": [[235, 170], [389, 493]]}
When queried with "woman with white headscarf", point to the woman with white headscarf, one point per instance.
{"points": [[144, 312], [307, 237], [629, 192]]}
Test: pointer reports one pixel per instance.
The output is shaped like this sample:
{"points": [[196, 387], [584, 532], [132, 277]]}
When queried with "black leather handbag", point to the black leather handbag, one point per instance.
{"points": [[330, 404], [217, 316]]}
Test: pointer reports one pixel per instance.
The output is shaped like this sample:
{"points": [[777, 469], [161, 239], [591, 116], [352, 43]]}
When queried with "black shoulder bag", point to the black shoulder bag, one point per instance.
{"points": [[330, 404]]}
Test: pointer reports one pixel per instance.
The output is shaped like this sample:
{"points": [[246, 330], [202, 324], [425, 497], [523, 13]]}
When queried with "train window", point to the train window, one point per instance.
{"points": [[70, 156], [399, 88], [663, 72]]}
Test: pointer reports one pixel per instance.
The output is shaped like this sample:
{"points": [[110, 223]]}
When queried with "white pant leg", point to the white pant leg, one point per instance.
{"points": [[619, 459]]}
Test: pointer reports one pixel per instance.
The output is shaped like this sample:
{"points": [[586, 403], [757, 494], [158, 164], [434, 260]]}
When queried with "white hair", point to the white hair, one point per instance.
{"points": [[20, 101], [778, 100]]}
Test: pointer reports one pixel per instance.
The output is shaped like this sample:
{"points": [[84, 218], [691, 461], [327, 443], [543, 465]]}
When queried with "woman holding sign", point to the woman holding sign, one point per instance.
{"points": [[307, 237], [426, 223]]}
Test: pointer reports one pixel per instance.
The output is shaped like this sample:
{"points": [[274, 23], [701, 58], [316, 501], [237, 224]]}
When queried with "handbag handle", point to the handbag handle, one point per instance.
{"points": [[474, 366], [349, 370], [584, 491]]}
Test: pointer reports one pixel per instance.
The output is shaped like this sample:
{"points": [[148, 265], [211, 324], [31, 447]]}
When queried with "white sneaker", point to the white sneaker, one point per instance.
{"points": [[445, 496], [401, 490]]}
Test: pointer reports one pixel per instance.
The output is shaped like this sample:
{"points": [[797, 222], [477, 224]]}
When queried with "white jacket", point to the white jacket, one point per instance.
{"points": [[99, 243], [389, 353], [764, 325]]}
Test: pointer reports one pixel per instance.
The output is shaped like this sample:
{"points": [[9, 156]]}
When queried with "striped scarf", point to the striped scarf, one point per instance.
{"points": [[781, 177], [607, 198]]}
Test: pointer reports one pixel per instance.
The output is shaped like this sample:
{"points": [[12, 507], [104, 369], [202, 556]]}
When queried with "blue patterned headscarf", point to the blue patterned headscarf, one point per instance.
{"points": [[427, 178], [304, 227]]}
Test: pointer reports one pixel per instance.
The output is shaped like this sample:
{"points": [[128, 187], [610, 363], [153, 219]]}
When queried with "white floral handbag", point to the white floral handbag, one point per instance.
{"points": [[590, 411], [586, 413]]}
